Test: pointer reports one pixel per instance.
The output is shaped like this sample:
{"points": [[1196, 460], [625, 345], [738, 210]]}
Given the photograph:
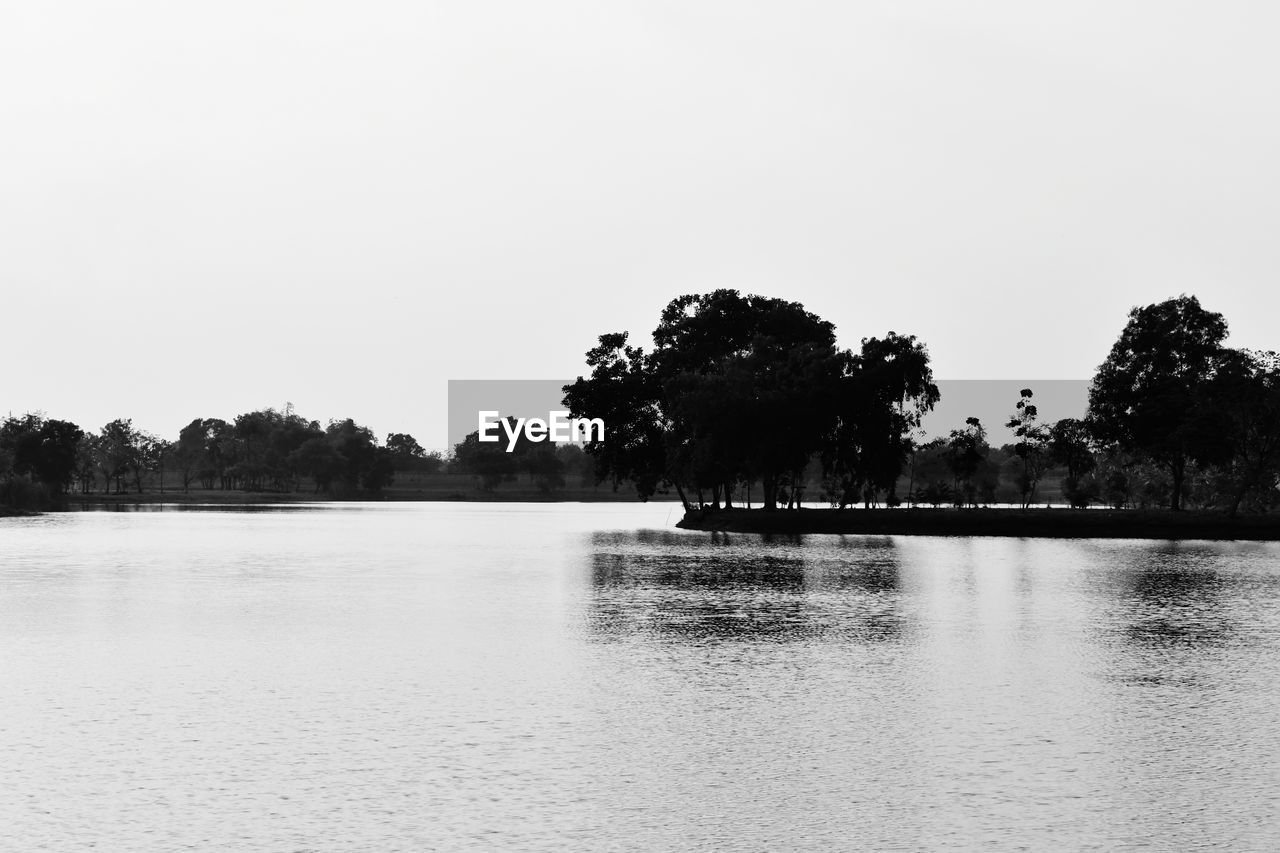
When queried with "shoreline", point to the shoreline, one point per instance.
{"points": [[1038, 523], [213, 497]]}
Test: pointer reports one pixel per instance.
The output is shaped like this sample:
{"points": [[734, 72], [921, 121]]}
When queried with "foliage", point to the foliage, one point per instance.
{"points": [[1071, 445], [743, 389], [488, 462], [1081, 491], [263, 450], [966, 451], [493, 465], [41, 452], [881, 399], [1152, 394], [1246, 392], [1032, 446]]}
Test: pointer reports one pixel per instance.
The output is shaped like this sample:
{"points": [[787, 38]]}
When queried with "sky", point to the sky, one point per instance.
{"points": [[211, 208]]}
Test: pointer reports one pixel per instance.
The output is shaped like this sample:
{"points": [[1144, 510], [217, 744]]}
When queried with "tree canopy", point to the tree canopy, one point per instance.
{"points": [[744, 389], [1152, 394]]}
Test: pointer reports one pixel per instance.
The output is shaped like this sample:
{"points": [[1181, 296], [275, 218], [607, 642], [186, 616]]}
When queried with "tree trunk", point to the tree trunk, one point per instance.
{"points": [[911, 482], [684, 501], [1179, 470], [770, 487], [1236, 499]]}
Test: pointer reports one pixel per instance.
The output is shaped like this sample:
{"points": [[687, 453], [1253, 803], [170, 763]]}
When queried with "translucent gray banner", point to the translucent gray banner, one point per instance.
{"points": [[990, 400]]}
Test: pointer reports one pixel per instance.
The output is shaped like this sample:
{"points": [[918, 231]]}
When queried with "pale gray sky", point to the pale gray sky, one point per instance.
{"points": [[209, 208]]}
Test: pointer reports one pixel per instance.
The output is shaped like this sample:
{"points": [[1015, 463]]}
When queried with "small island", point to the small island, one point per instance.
{"points": [[752, 396], [1059, 523]]}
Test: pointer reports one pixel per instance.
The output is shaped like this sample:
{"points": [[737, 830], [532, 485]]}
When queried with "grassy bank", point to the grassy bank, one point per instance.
{"points": [[1050, 523]]}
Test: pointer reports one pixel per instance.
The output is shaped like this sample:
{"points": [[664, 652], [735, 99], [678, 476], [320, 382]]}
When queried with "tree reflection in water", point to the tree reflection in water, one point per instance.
{"points": [[742, 588], [1174, 599]]}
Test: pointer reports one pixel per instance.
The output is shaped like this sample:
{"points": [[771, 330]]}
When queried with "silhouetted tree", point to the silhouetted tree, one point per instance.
{"points": [[967, 449], [1151, 394], [884, 392], [627, 395], [1071, 445], [407, 454], [86, 462], [489, 462], [359, 450], [544, 467], [1031, 447], [749, 388], [40, 449], [52, 455], [576, 463], [1246, 391], [318, 459], [403, 444], [118, 447]]}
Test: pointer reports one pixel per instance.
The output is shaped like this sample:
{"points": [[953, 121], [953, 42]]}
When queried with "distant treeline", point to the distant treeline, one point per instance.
{"points": [[44, 459], [744, 391]]}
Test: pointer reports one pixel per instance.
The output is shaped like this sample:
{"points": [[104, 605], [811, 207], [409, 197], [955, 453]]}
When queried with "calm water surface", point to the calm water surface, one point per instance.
{"points": [[551, 677]]}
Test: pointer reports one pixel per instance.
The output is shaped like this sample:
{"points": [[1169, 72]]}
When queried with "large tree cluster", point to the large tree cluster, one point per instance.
{"points": [[739, 390]]}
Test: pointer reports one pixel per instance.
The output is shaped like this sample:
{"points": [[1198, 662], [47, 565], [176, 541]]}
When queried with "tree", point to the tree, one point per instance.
{"points": [[404, 445], [49, 454], [406, 454], [318, 459], [929, 470], [1032, 446], [380, 472], [1151, 395], [147, 455], [220, 452], [749, 384], [740, 389], [252, 432], [1071, 445], [1246, 391], [576, 463], [966, 450], [189, 452], [359, 451], [544, 467], [489, 462], [41, 450], [885, 391], [431, 462], [626, 394], [86, 462], [118, 449]]}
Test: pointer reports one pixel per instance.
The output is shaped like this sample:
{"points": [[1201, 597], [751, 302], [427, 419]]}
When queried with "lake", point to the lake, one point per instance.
{"points": [[585, 677]]}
